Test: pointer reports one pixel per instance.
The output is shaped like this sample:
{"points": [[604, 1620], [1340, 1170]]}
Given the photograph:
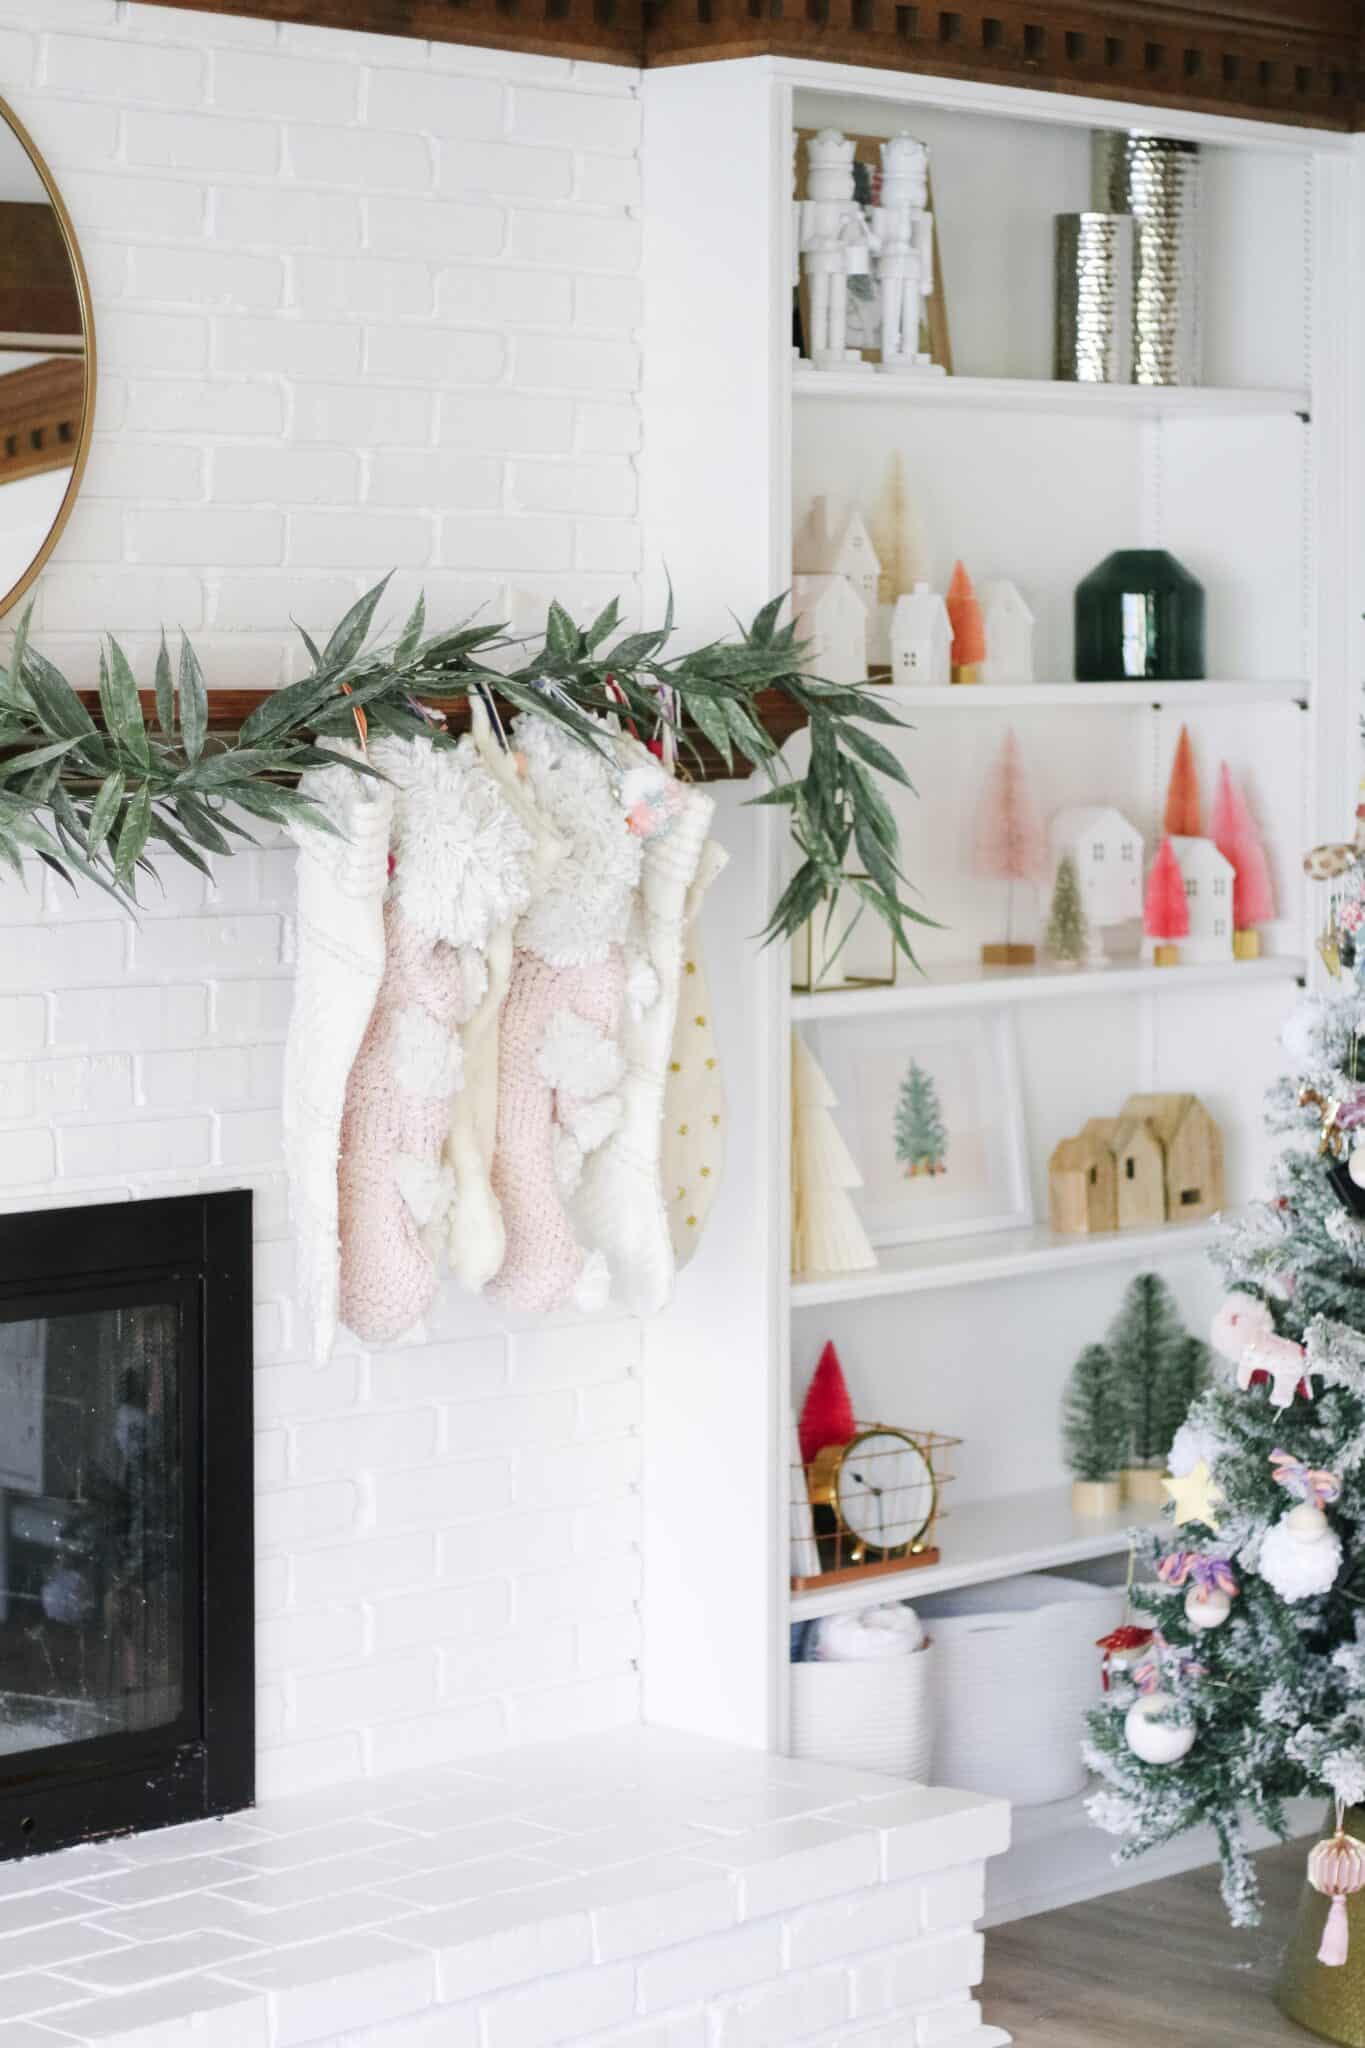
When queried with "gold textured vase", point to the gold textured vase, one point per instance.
{"points": [[1329, 2001]]}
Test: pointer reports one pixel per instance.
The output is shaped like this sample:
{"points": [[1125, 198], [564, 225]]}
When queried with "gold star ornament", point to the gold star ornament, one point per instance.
{"points": [[1195, 1497]]}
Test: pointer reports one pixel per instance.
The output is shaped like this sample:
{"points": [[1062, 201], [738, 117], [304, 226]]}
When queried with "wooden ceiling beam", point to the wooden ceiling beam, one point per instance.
{"points": [[1270, 60]]}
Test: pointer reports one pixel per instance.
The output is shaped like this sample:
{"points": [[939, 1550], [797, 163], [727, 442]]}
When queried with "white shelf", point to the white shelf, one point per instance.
{"points": [[1002, 1255], [1041, 394], [1107, 696], [990, 1539], [968, 985]]}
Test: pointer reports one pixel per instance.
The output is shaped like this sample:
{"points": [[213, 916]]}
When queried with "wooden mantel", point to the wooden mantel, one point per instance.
{"points": [[777, 714], [1299, 61]]}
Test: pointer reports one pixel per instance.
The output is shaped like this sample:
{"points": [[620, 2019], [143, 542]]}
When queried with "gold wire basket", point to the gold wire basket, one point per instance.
{"points": [[870, 1507]]}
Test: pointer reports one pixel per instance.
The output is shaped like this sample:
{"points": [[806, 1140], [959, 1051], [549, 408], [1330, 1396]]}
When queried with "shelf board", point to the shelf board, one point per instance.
{"points": [[1001, 1255], [990, 1539], [1107, 696], [1042, 394], [965, 984]]}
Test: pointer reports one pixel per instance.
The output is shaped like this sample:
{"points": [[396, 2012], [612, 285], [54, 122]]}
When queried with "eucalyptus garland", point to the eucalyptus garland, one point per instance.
{"points": [[97, 799]]}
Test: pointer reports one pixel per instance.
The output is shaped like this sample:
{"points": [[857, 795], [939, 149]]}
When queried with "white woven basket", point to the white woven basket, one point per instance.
{"points": [[873, 1714], [1015, 1671]]}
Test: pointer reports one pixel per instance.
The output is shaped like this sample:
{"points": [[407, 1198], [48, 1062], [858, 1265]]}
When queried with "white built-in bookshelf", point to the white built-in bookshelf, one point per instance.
{"points": [[1251, 480]]}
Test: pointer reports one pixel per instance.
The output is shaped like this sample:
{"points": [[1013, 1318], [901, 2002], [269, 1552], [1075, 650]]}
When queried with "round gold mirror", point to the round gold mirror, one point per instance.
{"points": [[47, 362]]}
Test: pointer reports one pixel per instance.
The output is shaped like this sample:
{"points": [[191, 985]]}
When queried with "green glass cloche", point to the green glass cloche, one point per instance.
{"points": [[1139, 617]]}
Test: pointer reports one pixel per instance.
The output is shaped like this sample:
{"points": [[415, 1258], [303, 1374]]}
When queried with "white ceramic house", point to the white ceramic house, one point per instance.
{"points": [[834, 541], [1009, 635], [1208, 879], [830, 614], [1107, 850], [921, 638]]}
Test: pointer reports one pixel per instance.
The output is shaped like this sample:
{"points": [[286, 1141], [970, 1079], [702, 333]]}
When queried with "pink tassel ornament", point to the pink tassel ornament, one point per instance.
{"points": [[1336, 1868]]}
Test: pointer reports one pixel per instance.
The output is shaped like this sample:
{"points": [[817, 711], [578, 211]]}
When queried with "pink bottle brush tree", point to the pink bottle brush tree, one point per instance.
{"points": [[1011, 846], [1165, 912], [1236, 837]]}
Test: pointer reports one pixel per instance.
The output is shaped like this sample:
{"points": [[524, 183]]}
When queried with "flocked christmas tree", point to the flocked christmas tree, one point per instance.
{"points": [[827, 1236], [921, 1136], [1068, 930], [1095, 1418], [1253, 1688]]}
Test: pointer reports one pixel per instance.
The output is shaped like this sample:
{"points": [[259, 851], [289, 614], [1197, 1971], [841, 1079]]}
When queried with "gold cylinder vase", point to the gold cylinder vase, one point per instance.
{"points": [[1327, 2000]]}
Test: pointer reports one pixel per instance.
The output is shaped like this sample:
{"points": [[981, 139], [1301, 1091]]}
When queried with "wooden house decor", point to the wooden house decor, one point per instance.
{"points": [[1160, 1160], [1082, 1187], [1193, 1145]]}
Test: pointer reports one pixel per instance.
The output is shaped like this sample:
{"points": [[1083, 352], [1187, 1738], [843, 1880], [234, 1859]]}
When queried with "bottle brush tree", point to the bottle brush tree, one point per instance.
{"points": [[1182, 792], [1011, 846], [969, 627], [1236, 837], [1147, 1339], [1165, 912], [921, 1136], [1095, 1417], [1068, 929]]}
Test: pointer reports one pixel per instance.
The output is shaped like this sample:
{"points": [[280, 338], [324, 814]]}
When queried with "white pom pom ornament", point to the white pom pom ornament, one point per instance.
{"points": [[1151, 1732], [1299, 1558], [1355, 1165]]}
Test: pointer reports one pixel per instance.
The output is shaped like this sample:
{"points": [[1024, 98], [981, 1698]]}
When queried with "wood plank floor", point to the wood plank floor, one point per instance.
{"points": [[1155, 1967]]}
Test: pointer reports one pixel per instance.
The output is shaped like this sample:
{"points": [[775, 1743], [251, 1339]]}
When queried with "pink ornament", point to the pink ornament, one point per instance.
{"points": [[1336, 1868]]}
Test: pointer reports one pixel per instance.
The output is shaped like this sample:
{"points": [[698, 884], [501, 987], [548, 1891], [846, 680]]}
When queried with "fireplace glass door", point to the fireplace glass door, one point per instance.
{"points": [[95, 1628], [126, 1550]]}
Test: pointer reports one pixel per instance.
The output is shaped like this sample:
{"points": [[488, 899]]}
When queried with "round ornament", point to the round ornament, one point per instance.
{"points": [[1207, 1608], [1302, 1561], [1151, 1735], [1356, 1164], [1336, 1868]]}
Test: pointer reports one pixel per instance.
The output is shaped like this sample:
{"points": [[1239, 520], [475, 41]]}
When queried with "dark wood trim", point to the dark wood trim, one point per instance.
{"points": [[777, 714], [1264, 59], [38, 293], [42, 410]]}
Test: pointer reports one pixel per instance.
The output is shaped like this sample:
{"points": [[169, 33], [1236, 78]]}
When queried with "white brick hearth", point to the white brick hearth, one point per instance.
{"points": [[633, 1890]]}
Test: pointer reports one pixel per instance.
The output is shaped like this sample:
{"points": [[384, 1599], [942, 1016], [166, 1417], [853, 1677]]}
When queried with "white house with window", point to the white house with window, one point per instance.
{"points": [[1107, 850], [1208, 879]]}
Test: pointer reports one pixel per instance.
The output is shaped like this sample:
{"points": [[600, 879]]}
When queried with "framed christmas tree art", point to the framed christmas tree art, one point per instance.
{"points": [[933, 1116]]}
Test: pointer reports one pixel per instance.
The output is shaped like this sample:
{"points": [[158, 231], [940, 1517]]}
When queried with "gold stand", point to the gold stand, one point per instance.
{"points": [[1327, 2000], [1008, 956], [966, 672], [1165, 956], [1246, 945]]}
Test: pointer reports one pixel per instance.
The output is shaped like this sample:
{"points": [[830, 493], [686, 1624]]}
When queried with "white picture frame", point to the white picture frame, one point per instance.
{"points": [[971, 1057]]}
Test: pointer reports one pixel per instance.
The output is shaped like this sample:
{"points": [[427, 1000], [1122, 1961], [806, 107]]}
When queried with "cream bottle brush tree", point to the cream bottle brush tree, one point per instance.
{"points": [[827, 1236]]}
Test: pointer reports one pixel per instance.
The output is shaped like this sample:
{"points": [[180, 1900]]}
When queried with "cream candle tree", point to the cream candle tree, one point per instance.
{"points": [[827, 1236]]}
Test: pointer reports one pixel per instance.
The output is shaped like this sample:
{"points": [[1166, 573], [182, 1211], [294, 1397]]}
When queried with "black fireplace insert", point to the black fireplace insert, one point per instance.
{"points": [[127, 1678]]}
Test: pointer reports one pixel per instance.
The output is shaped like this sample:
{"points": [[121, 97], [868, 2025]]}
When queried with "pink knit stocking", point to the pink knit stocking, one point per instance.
{"points": [[397, 1109], [557, 1077]]}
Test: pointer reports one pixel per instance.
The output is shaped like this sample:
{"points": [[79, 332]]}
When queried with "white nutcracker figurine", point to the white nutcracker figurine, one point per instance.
{"points": [[835, 244], [904, 232]]}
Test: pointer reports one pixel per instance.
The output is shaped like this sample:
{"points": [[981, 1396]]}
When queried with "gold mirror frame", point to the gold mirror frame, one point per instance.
{"points": [[64, 222]]}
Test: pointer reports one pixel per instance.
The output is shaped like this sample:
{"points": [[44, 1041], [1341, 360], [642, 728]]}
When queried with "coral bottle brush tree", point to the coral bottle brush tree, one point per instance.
{"points": [[95, 799]]}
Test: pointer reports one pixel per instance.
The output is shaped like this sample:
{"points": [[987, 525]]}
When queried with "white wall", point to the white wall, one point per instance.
{"points": [[361, 303]]}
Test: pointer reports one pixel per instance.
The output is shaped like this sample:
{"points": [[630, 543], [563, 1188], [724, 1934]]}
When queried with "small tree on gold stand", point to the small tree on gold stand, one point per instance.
{"points": [[1165, 912], [1010, 845], [1236, 837], [827, 1236]]}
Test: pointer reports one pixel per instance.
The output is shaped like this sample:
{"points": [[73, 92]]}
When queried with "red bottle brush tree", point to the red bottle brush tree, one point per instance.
{"points": [[969, 628], [1165, 913], [1182, 792], [1236, 837], [1011, 845], [827, 1412]]}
